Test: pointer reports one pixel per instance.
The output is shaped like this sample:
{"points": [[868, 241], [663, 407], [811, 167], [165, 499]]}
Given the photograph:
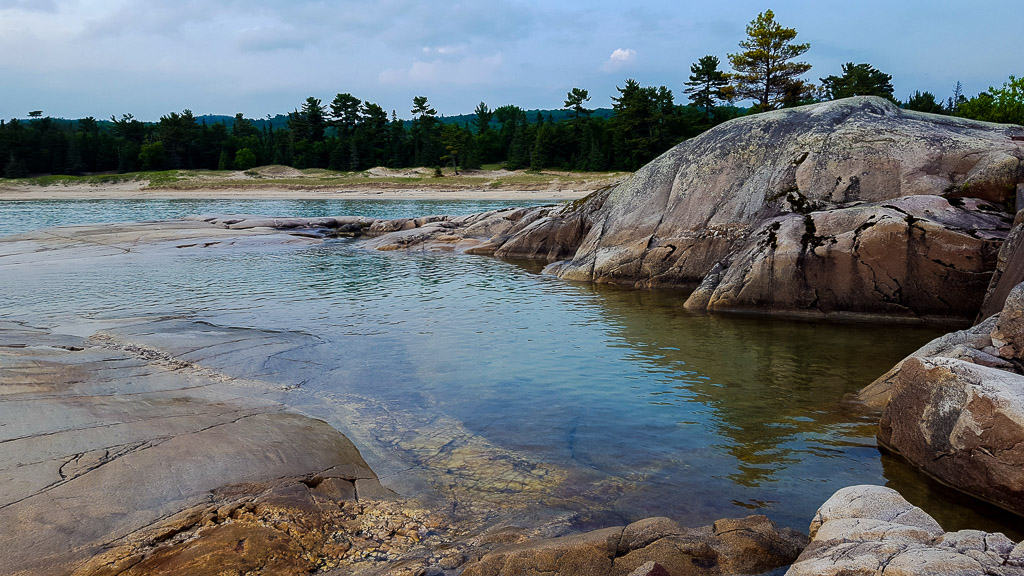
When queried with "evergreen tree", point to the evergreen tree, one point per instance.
{"points": [[540, 156], [345, 115], [575, 100], [924, 102], [858, 80], [482, 121], [705, 84], [764, 68], [313, 114], [424, 133], [519, 148]]}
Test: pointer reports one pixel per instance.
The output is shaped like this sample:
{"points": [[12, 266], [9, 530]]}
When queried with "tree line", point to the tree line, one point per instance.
{"points": [[351, 134]]}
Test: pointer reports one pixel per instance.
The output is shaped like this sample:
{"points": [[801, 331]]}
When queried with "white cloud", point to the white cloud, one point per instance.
{"points": [[620, 58], [444, 50]]}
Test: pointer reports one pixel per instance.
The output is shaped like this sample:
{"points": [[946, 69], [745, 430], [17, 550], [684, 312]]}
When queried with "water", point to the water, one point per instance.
{"points": [[496, 385], [25, 215]]}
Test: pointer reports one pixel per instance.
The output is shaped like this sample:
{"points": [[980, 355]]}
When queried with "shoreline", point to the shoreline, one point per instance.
{"points": [[135, 192], [284, 183]]}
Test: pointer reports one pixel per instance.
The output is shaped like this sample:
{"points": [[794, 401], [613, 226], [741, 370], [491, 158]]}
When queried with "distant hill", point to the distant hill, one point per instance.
{"points": [[281, 120], [275, 122]]}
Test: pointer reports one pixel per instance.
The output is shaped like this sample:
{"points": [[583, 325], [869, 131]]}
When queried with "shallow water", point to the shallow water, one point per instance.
{"points": [[494, 382], [24, 215]]}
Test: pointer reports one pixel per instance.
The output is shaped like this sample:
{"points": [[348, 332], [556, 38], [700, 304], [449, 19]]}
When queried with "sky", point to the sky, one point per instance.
{"points": [[75, 58]]}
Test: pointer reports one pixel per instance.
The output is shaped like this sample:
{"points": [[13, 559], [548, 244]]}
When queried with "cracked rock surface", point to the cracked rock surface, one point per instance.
{"points": [[102, 443], [872, 530]]}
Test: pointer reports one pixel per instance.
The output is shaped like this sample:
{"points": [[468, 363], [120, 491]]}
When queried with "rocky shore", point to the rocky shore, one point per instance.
{"points": [[117, 457], [850, 208]]}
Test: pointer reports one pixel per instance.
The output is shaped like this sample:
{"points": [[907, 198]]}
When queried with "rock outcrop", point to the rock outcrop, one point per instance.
{"points": [[962, 423], [1009, 269], [846, 207], [102, 441], [870, 530], [955, 408], [751, 545]]}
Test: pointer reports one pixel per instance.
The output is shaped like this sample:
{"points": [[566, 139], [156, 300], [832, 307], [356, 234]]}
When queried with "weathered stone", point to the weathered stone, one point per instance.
{"points": [[751, 545], [1008, 334], [962, 423], [279, 527], [916, 255], [849, 207], [871, 530], [103, 442], [1009, 268], [971, 345]]}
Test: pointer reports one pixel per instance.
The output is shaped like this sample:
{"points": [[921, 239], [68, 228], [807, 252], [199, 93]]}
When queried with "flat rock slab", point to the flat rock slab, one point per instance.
{"points": [[100, 441]]}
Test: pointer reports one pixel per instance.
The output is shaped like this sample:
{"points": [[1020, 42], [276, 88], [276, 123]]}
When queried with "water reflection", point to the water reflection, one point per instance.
{"points": [[487, 376]]}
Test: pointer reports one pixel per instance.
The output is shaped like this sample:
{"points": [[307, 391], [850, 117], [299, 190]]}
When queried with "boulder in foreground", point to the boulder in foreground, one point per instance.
{"points": [[872, 530], [751, 545], [962, 423]]}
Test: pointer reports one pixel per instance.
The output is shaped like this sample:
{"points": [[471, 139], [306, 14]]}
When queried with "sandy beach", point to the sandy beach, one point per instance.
{"points": [[284, 183]]}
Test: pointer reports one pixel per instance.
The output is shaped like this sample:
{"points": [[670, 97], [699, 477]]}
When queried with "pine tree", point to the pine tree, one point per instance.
{"points": [[764, 68], [858, 80], [705, 84]]}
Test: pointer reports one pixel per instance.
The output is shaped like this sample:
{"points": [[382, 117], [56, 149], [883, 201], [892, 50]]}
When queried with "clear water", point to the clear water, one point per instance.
{"points": [[469, 374], [24, 215]]}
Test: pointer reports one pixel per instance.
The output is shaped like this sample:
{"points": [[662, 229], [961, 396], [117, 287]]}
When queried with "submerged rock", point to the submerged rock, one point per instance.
{"points": [[846, 207], [654, 546], [871, 530]]}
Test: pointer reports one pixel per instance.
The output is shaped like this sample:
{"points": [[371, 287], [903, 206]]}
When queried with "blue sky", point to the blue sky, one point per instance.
{"points": [[74, 58]]}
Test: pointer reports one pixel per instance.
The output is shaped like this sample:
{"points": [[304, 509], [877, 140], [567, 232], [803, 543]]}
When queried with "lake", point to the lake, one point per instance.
{"points": [[487, 384]]}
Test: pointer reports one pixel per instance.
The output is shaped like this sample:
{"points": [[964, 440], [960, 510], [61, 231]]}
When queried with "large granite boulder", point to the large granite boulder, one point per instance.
{"points": [[851, 206], [955, 407], [916, 255], [871, 530], [962, 423], [972, 344], [751, 545]]}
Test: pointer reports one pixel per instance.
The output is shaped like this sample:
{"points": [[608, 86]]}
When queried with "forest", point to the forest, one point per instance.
{"points": [[351, 134]]}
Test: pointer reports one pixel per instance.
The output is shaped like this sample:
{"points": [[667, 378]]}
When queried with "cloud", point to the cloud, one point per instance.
{"points": [[471, 70], [619, 58], [444, 50]]}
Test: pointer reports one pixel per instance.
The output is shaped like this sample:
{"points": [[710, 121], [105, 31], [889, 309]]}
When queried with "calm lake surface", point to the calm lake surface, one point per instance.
{"points": [[635, 406]]}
